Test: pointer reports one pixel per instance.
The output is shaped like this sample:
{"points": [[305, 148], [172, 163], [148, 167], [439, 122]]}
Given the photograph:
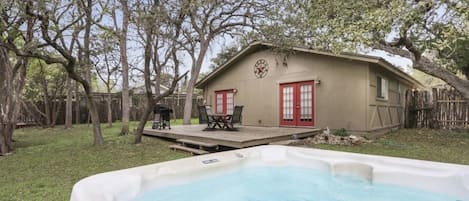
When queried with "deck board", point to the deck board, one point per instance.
{"points": [[246, 136]]}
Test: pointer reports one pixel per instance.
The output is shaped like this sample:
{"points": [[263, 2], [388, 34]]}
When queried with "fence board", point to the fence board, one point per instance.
{"points": [[176, 102], [439, 108]]}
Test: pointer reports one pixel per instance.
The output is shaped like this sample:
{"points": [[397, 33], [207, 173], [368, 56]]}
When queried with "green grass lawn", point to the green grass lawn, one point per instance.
{"points": [[47, 162], [424, 144]]}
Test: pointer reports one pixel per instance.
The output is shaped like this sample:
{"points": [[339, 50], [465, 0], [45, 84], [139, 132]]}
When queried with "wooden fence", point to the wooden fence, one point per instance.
{"points": [[439, 108], [80, 110]]}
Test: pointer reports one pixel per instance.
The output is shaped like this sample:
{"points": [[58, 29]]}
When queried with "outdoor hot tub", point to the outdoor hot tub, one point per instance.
{"points": [[280, 173]]}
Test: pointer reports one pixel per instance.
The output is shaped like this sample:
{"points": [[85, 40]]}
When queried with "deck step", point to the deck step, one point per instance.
{"points": [[188, 149], [199, 143]]}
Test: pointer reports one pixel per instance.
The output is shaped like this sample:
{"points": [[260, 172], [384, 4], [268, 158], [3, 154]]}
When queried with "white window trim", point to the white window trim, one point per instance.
{"points": [[384, 88]]}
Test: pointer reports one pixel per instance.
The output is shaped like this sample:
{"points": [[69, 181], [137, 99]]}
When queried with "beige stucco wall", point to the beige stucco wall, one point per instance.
{"points": [[383, 114], [341, 96]]}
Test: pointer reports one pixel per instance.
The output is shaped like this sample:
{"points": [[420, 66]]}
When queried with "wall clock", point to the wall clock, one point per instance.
{"points": [[261, 68]]}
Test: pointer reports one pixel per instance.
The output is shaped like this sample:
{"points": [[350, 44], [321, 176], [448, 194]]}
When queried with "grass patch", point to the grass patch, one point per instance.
{"points": [[47, 162], [424, 144]]}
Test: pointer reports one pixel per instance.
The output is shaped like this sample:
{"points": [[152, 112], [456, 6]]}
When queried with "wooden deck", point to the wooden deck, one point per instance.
{"points": [[246, 136]]}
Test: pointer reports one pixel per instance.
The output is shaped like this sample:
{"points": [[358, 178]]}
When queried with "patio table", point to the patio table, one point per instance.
{"points": [[221, 119]]}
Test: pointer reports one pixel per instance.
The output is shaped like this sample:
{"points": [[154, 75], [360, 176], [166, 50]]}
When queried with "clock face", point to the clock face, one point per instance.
{"points": [[261, 68]]}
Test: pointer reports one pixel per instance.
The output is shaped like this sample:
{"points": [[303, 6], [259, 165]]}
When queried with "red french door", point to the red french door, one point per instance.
{"points": [[224, 101], [297, 104]]}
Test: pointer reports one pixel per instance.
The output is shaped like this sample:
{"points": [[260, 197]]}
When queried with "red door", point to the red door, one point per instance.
{"points": [[297, 104], [224, 101]]}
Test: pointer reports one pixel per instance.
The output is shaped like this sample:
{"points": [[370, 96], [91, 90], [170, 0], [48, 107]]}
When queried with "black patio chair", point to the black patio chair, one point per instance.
{"points": [[205, 115], [235, 118]]}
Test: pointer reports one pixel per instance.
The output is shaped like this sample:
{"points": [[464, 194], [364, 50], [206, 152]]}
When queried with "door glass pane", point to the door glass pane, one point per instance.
{"points": [[229, 102], [219, 103], [306, 100], [287, 103]]}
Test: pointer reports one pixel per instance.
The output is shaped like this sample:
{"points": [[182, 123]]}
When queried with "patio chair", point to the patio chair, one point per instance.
{"points": [[205, 115], [236, 117]]}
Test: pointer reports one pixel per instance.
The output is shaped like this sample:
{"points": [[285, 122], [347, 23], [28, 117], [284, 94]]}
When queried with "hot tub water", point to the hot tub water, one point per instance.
{"points": [[287, 184]]}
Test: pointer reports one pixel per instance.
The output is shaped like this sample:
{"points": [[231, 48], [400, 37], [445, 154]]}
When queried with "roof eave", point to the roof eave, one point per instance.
{"points": [[382, 62], [200, 84], [358, 57]]}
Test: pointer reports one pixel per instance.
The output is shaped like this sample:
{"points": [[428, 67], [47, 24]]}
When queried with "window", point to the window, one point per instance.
{"points": [[382, 88]]}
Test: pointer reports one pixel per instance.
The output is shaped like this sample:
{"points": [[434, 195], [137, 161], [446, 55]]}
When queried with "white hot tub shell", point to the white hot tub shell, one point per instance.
{"points": [[127, 184]]}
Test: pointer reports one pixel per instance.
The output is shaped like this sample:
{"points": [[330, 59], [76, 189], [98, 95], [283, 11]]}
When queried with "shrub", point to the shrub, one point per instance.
{"points": [[341, 132]]}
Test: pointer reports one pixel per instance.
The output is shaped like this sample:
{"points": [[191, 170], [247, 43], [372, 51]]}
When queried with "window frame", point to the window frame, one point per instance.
{"points": [[382, 88]]}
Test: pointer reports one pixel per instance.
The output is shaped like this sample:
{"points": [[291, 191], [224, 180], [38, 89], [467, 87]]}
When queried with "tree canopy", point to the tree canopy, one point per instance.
{"points": [[431, 33]]}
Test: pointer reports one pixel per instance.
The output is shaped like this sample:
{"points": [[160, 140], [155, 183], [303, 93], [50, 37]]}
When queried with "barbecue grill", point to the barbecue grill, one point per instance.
{"points": [[161, 116]]}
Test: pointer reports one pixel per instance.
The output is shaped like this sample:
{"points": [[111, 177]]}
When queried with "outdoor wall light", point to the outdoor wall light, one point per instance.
{"points": [[317, 81], [235, 90]]}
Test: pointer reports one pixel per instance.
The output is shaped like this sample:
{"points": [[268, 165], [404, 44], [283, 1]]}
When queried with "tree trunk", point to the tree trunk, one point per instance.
{"points": [[6, 96], [431, 68], [11, 86], [149, 95], [55, 114], [77, 104], [125, 68], [188, 103], [87, 41], [141, 125], [47, 111], [68, 105], [46, 99], [190, 87], [98, 137], [35, 112], [93, 110], [109, 109]]}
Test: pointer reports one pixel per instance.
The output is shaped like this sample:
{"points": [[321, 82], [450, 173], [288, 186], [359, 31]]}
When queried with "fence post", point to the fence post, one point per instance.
{"points": [[435, 123], [407, 114]]}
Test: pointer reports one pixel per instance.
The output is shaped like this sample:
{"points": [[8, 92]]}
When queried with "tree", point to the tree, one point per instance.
{"points": [[223, 56], [119, 12], [43, 93], [125, 68], [107, 67], [411, 29], [160, 29], [456, 56], [125, 65], [12, 74], [11, 84], [208, 20], [56, 40]]}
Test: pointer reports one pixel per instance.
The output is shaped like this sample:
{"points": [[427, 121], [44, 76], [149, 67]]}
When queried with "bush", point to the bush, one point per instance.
{"points": [[341, 132]]}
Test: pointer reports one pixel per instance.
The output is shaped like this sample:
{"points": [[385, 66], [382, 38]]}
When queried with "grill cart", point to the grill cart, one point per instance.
{"points": [[161, 116]]}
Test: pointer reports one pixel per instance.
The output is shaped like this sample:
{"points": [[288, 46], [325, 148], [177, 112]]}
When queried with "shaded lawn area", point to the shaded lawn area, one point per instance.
{"points": [[47, 162], [424, 144]]}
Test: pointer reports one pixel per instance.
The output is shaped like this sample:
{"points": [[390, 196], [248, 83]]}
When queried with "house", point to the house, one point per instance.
{"points": [[141, 89], [307, 88]]}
